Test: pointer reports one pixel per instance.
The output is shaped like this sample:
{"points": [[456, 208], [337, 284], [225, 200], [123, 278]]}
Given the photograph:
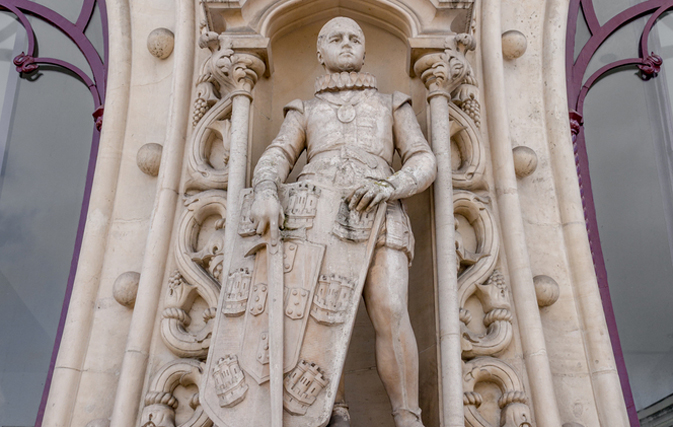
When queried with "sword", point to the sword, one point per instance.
{"points": [[275, 273]]}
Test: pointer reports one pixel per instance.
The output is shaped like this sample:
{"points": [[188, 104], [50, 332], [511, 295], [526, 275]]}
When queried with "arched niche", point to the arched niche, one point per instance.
{"points": [[295, 67]]}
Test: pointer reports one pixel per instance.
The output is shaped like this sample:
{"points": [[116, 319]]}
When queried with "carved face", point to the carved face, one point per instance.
{"points": [[341, 46]]}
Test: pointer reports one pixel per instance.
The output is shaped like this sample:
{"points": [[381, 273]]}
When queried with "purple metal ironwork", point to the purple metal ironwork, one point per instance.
{"points": [[649, 65], [28, 62]]}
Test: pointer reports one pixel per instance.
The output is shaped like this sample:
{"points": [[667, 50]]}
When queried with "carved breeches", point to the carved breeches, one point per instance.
{"points": [[396, 230]]}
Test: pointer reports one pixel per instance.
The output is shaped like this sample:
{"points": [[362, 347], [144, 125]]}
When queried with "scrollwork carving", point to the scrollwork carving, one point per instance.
{"points": [[475, 266], [446, 71], [450, 74], [497, 320], [161, 403], [478, 277], [469, 166], [514, 411], [224, 73], [206, 173], [230, 70], [199, 274]]}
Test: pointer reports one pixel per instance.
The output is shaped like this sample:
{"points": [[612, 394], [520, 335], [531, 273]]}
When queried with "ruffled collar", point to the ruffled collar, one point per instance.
{"points": [[344, 81]]}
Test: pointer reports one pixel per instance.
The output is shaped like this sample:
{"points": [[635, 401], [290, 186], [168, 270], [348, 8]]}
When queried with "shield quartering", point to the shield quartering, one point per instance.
{"points": [[326, 254]]}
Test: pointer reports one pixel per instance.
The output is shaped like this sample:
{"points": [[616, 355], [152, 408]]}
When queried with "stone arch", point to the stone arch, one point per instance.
{"points": [[274, 19]]}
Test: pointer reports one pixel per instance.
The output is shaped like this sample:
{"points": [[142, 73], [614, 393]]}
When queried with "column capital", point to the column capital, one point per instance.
{"points": [[232, 68], [444, 71]]}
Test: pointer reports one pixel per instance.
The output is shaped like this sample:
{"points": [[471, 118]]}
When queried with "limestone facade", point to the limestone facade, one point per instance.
{"points": [[502, 295]]}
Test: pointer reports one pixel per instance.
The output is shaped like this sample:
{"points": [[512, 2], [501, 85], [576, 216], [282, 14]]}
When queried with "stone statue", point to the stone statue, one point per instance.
{"points": [[350, 132]]}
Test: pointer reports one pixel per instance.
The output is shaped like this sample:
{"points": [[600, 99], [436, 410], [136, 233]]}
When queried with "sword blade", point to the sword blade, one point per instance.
{"points": [[276, 321]]}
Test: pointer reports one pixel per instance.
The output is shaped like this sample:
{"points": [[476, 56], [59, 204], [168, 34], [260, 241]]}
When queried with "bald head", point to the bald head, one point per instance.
{"points": [[341, 45]]}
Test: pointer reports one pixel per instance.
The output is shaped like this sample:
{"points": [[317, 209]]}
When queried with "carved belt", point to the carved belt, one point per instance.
{"points": [[347, 152]]}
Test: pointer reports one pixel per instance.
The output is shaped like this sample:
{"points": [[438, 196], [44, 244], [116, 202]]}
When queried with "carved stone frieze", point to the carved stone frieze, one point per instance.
{"points": [[161, 402]]}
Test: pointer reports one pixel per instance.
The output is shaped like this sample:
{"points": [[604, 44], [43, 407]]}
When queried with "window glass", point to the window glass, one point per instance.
{"points": [[46, 130], [628, 126]]}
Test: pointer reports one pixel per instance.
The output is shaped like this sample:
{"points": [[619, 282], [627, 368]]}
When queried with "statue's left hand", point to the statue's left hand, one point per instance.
{"points": [[369, 195]]}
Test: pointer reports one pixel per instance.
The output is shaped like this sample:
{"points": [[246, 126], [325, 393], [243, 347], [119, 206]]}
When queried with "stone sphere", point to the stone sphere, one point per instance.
{"points": [[525, 161], [514, 44], [160, 42], [546, 290], [125, 288], [149, 158]]}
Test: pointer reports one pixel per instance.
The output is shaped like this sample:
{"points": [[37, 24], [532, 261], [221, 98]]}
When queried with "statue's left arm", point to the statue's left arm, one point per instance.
{"points": [[419, 166]]}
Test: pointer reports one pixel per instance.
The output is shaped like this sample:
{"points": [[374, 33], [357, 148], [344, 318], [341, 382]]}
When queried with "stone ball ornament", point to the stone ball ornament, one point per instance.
{"points": [[525, 161], [514, 44], [125, 288], [546, 290], [160, 42], [148, 158]]}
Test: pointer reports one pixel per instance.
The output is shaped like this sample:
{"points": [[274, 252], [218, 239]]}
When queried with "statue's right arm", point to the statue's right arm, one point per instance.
{"points": [[273, 168], [280, 156]]}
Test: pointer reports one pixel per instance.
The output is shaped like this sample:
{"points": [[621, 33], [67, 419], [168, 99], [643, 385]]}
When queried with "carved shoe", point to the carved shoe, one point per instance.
{"points": [[340, 416], [407, 418]]}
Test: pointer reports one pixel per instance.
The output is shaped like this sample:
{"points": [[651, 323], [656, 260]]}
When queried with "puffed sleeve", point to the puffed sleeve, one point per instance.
{"points": [[419, 166], [280, 156]]}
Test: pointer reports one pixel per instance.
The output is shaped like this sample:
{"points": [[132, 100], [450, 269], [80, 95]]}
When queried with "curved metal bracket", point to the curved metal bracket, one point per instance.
{"points": [[28, 62]]}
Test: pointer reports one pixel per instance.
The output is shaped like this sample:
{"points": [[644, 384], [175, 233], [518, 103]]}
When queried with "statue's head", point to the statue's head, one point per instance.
{"points": [[341, 45]]}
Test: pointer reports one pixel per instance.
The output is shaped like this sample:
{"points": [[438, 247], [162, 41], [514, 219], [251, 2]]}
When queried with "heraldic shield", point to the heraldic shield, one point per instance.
{"points": [[327, 249]]}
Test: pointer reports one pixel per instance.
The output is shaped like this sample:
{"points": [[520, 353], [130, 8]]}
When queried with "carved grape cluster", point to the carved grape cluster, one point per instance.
{"points": [[497, 279], [200, 109], [471, 107]]}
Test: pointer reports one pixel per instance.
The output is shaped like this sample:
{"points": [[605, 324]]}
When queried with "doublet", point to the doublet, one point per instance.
{"points": [[350, 136]]}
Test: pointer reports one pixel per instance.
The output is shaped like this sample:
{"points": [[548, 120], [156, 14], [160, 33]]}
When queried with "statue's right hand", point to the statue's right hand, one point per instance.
{"points": [[267, 213]]}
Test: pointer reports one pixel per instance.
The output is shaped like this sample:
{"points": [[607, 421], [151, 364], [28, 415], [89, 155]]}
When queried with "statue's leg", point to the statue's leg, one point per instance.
{"points": [[340, 415], [385, 295]]}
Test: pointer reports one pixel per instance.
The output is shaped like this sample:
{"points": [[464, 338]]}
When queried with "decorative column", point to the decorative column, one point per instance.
{"points": [[442, 73], [236, 72]]}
